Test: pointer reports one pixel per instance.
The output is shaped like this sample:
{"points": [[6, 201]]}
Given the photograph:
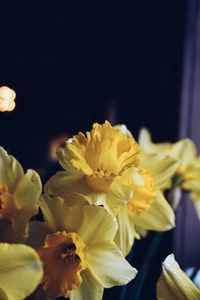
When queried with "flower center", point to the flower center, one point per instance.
{"points": [[69, 254], [63, 256], [143, 196]]}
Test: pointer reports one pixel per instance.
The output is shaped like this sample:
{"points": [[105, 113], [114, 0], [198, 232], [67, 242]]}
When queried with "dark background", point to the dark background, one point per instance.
{"points": [[73, 63]]}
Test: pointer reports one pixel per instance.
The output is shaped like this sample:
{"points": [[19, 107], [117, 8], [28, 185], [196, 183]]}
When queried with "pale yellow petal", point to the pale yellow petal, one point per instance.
{"points": [[20, 271], [65, 157], [26, 195], [72, 187], [92, 223], [148, 146], [185, 150], [90, 288], [162, 166], [174, 284], [190, 175], [75, 190], [145, 142], [141, 232], [10, 170], [160, 216], [28, 191], [109, 266], [122, 190], [126, 233], [97, 226], [192, 184]]}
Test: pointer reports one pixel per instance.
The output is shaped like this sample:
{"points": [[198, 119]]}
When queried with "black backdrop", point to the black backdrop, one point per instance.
{"points": [[73, 63]]}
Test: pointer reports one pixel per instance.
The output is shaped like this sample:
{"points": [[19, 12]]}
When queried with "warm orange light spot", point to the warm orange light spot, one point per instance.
{"points": [[143, 196], [55, 143], [7, 97], [63, 256]]}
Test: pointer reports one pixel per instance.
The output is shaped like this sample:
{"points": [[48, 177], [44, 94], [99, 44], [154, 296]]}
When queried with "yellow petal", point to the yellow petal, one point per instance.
{"points": [[75, 189], [108, 265], [65, 157], [90, 288], [191, 184], [174, 284], [26, 195], [159, 217], [148, 146], [143, 195], [92, 223], [162, 166], [10, 170], [141, 232], [20, 271], [185, 150], [126, 233], [71, 187], [28, 191], [190, 175]]}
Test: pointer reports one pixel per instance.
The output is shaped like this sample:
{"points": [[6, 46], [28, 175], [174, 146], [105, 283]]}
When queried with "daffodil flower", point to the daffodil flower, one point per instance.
{"points": [[21, 271], [19, 198], [77, 250], [101, 167], [7, 97], [174, 284], [148, 209], [187, 175]]}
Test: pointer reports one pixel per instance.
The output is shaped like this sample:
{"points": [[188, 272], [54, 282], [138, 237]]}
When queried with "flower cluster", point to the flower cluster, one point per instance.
{"points": [[111, 190]]}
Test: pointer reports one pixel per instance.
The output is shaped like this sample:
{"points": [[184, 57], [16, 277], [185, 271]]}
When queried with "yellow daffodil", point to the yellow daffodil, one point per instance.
{"points": [[20, 271], [101, 167], [174, 284], [19, 198], [148, 209], [7, 97], [77, 249], [187, 175]]}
